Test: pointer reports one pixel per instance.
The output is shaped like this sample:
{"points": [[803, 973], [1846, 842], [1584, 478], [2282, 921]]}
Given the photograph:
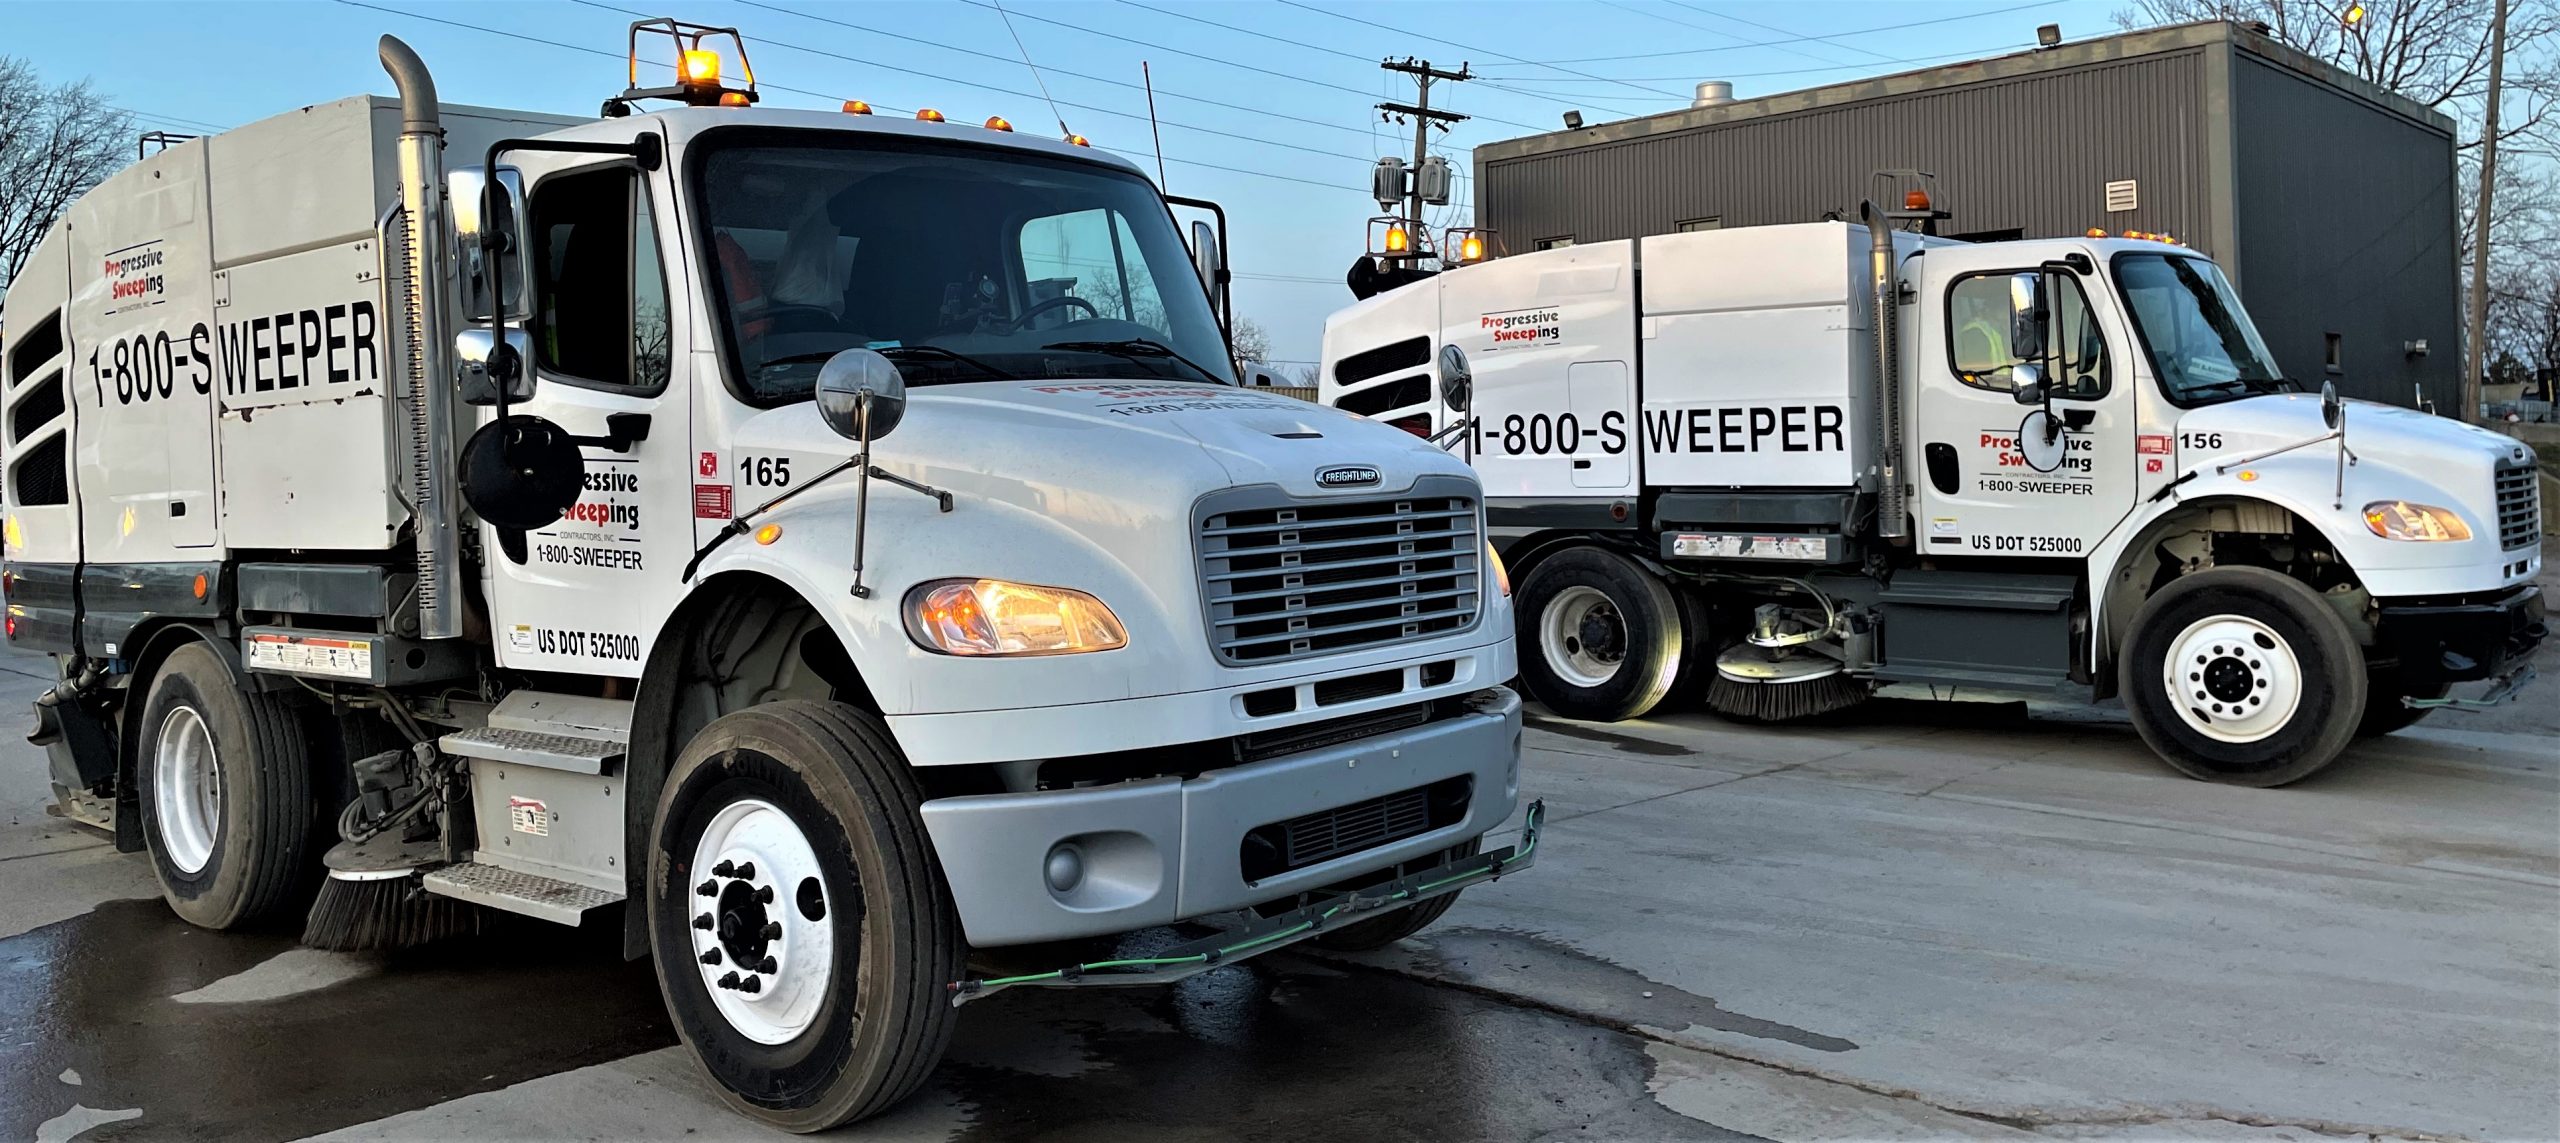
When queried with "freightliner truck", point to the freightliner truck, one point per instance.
{"points": [[837, 539], [1782, 467]]}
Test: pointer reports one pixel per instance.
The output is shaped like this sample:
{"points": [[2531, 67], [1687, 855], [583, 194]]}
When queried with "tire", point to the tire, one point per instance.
{"points": [[223, 776], [1600, 637], [1379, 932], [2243, 632], [836, 1029], [2383, 712]]}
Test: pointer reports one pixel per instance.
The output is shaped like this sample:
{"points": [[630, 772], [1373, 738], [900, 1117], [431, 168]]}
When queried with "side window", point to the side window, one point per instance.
{"points": [[1978, 309], [1091, 256], [601, 292]]}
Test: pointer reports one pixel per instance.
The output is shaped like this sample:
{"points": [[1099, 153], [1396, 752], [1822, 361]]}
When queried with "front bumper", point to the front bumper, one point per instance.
{"points": [[2443, 641], [1161, 850]]}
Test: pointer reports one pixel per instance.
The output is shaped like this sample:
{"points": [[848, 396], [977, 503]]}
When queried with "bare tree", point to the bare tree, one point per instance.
{"points": [[1253, 343], [55, 143]]}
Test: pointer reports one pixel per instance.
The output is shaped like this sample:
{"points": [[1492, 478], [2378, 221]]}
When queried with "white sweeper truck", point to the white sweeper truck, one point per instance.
{"points": [[1780, 468], [828, 546]]}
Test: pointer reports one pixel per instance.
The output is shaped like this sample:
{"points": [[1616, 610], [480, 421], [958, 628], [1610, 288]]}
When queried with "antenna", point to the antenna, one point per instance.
{"points": [[1036, 77], [1152, 129]]}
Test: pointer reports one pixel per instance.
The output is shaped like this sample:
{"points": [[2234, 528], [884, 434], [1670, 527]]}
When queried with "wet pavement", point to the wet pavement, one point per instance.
{"points": [[1914, 920]]}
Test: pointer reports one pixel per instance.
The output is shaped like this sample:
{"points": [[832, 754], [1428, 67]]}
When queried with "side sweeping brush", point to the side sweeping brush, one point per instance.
{"points": [[1764, 684], [375, 898]]}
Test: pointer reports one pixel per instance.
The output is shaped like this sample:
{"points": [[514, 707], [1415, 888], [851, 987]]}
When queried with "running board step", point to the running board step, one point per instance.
{"points": [[530, 894], [574, 733]]}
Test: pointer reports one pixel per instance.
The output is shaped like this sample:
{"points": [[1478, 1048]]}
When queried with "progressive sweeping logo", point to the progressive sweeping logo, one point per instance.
{"points": [[133, 275], [1513, 329]]}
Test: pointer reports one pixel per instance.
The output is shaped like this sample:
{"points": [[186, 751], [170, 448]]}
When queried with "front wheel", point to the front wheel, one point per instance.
{"points": [[1601, 637], [803, 936], [2243, 676]]}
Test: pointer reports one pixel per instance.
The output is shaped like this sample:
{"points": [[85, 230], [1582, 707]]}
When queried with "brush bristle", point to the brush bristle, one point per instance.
{"points": [[381, 915], [1781, 702]]}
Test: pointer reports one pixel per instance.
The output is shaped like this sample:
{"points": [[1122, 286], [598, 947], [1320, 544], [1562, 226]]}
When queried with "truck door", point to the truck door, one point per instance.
{"points": [[1551, 340], [594, 586], [1997, 477]]}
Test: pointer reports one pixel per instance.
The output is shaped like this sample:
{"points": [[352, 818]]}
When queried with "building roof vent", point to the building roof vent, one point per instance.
{"points": [[1713, 93]]}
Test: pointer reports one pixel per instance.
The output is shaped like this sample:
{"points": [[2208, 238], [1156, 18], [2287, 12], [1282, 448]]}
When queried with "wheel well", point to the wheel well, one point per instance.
{"points": [[739, 640], [1525, 553], [2224, 532]]}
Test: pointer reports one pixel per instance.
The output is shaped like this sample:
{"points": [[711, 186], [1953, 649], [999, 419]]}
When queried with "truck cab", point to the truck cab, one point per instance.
{"points": [[835, 543], [1782, 467]]}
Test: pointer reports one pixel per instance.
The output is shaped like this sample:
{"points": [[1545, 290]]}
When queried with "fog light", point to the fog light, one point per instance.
{"points": [[1065, 868]]}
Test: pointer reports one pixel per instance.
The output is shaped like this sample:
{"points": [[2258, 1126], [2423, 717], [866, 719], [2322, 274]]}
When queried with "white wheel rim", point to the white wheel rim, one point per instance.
{"points": [[763, 959], [186, 790], [1583, 636], [2232, 678]]}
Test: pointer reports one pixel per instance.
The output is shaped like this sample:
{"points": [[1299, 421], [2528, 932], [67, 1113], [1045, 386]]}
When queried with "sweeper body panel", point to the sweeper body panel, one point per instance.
{"points": [[836, 540], [2064, 469]]}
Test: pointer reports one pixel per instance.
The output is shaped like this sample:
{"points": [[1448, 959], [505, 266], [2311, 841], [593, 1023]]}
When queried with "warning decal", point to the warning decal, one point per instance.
{"points": [[305, 655], [528, 815]]}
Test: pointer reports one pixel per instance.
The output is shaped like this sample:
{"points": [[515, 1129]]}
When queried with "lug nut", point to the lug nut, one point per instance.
{"points": [[724, 869], [773, 930], [764, 895], [711, 956], [751, 984], [768, 965], [703, 922], [708, 889], [727, 980], [747, 871]]}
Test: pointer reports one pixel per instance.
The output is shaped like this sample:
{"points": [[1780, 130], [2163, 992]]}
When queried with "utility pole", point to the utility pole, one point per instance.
{"points": [[1423, 118], [2475, 352]]}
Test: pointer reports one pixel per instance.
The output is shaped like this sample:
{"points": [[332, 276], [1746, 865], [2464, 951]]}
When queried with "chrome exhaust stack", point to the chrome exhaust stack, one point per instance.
{"points": [[425, 306]]}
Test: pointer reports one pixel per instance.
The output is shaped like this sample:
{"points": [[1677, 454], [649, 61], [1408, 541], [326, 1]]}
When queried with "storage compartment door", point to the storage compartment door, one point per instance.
{"points": [[1530, 325], [1602, 399]]}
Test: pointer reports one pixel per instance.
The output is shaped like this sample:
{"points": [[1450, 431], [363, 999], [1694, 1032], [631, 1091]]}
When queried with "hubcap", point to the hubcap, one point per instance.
{"points": [[2233, 678], [763, 934], [186, 789], [1583, 637]]}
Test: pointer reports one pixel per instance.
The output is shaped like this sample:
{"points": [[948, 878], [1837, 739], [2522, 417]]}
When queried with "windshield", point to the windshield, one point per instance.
{"points": [[2200, 340], [958, 263]]}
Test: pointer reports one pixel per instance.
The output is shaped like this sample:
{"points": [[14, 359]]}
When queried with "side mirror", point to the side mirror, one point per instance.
{"points": [[1211, 264], [2026, 381], [483, 366], [2027, 316], [859, 386], [2333, 410], [479, 219], [1457, 378]]}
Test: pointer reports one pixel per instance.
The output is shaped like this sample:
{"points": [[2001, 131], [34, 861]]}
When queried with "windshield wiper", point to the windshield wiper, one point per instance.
{"points": [[894, 352], [1138, 349]]}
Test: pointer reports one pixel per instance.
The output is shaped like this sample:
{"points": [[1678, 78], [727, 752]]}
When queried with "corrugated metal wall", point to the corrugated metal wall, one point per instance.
{"points": [[2032, 154], [2347, 225]]}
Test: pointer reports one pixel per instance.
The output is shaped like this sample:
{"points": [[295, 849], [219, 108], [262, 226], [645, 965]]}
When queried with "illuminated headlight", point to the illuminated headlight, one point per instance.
{"points": [[993, 617], [2401, 520]]}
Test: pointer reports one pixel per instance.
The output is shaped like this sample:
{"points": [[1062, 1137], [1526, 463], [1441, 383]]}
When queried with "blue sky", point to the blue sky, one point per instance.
{"points": [[1265, 104]]}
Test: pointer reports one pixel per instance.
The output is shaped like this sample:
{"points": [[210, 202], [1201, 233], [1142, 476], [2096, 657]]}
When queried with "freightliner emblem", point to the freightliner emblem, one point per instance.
{"points": [[1346, 476]]}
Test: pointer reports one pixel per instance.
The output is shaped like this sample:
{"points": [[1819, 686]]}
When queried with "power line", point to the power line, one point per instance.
{"points": [[1299, 4], [1789, 40], [1978, 53], [1773, 28], [1222, 62], [1653, 15], [882, 32], [172, 120]]}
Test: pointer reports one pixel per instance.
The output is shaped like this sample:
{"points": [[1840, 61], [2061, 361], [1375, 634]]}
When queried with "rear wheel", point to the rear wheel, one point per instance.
{"points": [[804, 938], [224, 779], [2242, 675], [1602, 636]]}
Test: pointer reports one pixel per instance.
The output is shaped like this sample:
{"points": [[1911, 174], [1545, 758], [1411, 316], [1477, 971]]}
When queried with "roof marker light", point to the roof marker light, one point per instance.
{"points": [[856, 107], [929, 115], [1079, 141], [733, 99], [998, 123]]}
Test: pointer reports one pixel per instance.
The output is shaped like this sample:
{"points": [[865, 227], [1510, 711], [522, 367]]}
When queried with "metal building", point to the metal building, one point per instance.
{"points": [[2329, 201]]}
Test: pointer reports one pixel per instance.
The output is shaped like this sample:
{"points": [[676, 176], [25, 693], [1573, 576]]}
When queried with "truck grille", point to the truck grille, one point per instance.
{"points": [[1288, 579], [2519, 507]]}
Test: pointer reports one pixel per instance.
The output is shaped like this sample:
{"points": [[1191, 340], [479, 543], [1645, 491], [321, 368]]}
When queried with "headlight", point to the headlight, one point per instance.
{"points": [[1501, 574], [2401, 520], [992, 617]]}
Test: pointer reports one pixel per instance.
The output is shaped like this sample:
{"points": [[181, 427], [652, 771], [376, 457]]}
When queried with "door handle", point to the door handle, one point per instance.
{"points": [[2078, 419], [622, 431]]}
